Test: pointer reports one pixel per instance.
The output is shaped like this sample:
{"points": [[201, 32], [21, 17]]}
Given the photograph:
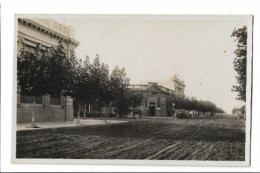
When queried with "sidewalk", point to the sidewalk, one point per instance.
{"points": [[83, 122]]}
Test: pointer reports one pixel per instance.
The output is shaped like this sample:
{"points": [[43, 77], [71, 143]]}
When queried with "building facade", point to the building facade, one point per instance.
{"points": [[46, 33], [174, 83], [155, 97], [155, 94]]}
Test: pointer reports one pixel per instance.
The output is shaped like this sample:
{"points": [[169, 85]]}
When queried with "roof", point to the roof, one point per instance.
{"points": [[151, 87]]}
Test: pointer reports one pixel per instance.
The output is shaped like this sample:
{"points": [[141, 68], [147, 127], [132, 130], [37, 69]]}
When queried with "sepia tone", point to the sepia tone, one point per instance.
{"points": [[136, 117]]}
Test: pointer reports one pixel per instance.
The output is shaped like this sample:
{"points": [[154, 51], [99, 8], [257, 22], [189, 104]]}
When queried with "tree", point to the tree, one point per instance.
{"points": [[43, 72], [240, 62], [187, 103], [123, 103], [31, 75], [99, 77], [119, 91], [80, 90], [136, 100], [59, 70], [91, 85]]}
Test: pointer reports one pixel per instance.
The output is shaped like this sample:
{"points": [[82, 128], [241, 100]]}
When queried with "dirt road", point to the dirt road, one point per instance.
{"points": [[201, 138]]}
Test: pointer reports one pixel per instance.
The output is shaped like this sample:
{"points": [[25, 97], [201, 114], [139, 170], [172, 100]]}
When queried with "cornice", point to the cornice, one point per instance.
{"points": [[41, 28]]}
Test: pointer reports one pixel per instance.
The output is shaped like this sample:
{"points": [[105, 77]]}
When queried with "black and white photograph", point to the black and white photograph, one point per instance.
{"points": [[132, 89]]}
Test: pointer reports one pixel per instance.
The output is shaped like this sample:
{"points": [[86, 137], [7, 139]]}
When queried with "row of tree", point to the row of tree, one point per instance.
{"points": [[182, 102], [94, 85], [50, 71]]}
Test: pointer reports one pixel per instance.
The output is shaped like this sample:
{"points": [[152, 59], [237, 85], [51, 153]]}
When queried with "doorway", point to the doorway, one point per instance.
{"points": [[152, 108]]}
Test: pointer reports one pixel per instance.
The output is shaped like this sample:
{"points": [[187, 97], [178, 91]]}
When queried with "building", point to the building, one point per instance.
{"points": [[174, 83], [154, 97], [47, 33], [156, 93]]}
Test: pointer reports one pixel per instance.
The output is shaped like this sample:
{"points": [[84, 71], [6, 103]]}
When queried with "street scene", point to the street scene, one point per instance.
{"points": [[132, 87]]}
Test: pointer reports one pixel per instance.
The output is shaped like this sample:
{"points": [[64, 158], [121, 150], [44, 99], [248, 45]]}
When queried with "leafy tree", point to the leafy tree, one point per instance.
{"points": [[31, 75], [80, 91], [186, 103], [240, 62], [91, 85], [60, 69], [123, 103], [43, 72], [135, 99], [99, 80], [119, 92], [118, 82]]}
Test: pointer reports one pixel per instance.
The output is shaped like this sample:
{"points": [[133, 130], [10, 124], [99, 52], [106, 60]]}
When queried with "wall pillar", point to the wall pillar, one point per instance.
{"points": [[47, 100], [62, 101], [69, 109]]}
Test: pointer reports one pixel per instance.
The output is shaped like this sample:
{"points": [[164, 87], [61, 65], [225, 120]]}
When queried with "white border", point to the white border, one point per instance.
{"points": [[144, 162], [9, 8]]}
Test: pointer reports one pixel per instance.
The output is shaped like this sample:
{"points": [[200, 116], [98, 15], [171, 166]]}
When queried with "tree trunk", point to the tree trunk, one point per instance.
{"points": [[34, 122], [44, 100], [78, 113], [106, 117], [110, 107], [85, 107], [65, 108]]}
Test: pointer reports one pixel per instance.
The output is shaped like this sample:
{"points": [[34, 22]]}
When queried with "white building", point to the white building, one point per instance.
{"points": [[174, 83]]}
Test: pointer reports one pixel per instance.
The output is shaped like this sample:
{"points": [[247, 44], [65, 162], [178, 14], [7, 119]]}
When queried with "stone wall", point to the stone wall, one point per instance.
{"points": [[45, 113]]}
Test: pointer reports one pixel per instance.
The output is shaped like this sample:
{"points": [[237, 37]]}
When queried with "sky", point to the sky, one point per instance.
{"points": [[151, 48]]}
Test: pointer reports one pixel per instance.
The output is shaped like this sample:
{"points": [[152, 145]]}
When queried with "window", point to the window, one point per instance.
{"points": [[163, 101]]}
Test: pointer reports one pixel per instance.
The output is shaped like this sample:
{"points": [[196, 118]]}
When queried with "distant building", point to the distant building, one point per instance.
{"points": [[156, 93], [174, 83], [154, 97], [46, 33]]}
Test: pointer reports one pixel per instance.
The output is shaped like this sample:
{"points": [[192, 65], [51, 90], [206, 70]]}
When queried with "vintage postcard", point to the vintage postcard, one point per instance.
{"points": [[132, 89]]}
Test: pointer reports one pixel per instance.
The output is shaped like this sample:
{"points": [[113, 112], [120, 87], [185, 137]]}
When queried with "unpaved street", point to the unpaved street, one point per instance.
{"points": [[201, 138]]}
